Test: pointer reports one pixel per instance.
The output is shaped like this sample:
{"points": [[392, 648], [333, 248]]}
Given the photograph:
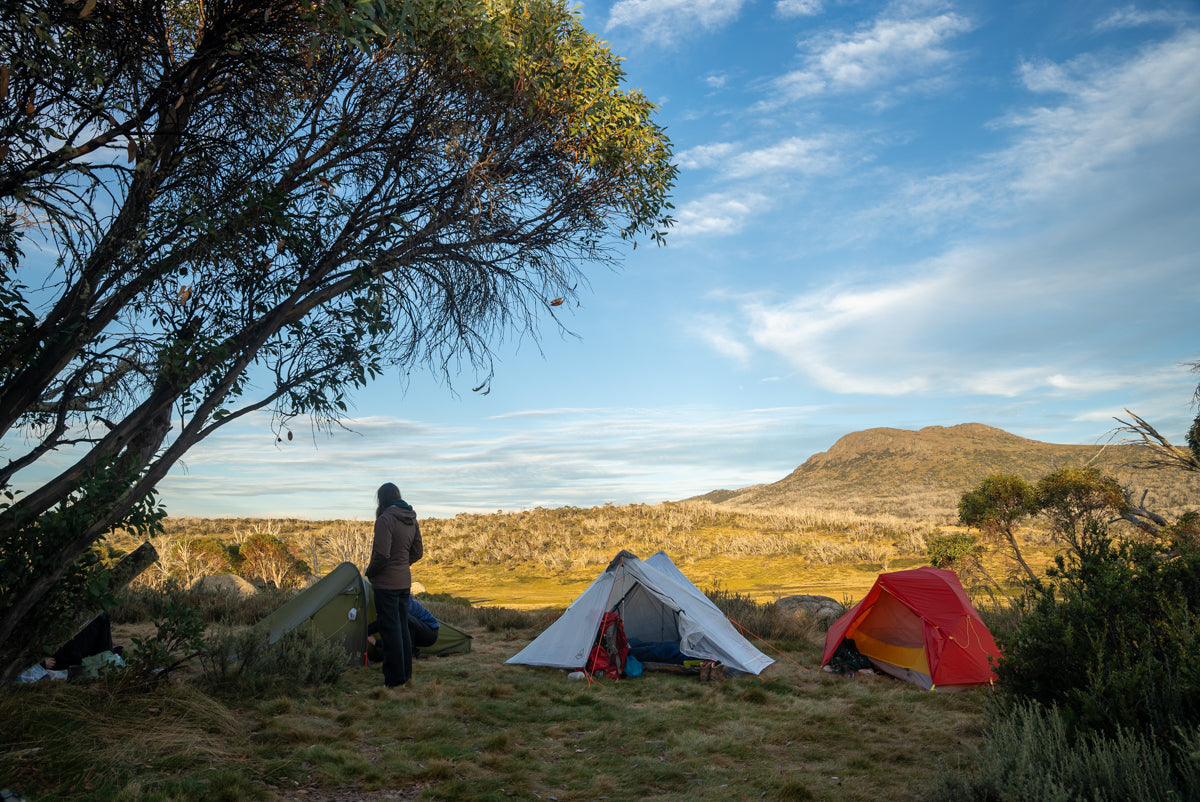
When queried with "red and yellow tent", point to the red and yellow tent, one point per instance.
{"points": [[919, 626]]}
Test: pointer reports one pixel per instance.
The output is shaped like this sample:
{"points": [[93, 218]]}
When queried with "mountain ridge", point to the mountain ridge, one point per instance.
{"points": [[905, 471]]}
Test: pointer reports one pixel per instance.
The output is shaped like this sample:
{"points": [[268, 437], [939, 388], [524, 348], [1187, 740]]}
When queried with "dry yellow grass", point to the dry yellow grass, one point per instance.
{"points": [[546, 557]]}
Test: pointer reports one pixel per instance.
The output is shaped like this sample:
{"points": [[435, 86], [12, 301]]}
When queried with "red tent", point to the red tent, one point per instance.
{"points": [[919, 626]]}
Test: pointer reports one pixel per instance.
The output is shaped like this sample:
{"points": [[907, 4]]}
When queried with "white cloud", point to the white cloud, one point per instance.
{"points": [[799, 8], [704, 156], [1109, 128], [716, 333], [1110, 115], [888, 51], [1026, 316], [806, 155], [718, 213], [795, 154], [1134, 17], [665, 22], [583, 457]]}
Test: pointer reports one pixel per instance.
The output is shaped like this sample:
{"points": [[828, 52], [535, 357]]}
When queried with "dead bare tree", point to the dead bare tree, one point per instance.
{"points": [[1162, 454]]}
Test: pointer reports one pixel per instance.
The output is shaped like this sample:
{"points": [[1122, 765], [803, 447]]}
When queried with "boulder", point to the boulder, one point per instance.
{"points": [[417, 587], [307, 581], [821, 609], [225, 583]]}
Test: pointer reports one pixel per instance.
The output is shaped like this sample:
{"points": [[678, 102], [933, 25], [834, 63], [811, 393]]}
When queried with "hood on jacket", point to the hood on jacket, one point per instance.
{"points": [[403, 511]]}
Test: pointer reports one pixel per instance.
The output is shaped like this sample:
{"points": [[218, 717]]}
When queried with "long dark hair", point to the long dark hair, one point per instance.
{"points": [[387, 494]]}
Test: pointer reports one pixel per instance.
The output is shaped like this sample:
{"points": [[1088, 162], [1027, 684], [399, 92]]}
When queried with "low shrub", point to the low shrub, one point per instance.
{"points": [[243, 659], [179, 638], [763, 620], [494, 619], [1030, 755], [137, 604]]}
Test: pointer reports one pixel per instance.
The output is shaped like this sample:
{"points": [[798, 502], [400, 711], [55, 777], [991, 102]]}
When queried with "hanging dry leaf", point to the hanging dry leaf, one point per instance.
{"points": [[556, 302], [131, 151], [30, 109], [4, 82], [289, 435], [184, 294], [179, 102], [88, 8]]}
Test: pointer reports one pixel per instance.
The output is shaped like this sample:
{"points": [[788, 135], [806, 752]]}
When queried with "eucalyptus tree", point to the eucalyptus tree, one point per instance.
{"points": [[215, 207], [996, 507]]}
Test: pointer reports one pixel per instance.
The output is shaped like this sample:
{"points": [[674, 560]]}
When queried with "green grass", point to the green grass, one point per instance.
{"points": [[471, 728]]}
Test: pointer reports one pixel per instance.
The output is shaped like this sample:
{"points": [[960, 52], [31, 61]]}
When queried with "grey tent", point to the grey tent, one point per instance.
{"points": [[657, 603]]}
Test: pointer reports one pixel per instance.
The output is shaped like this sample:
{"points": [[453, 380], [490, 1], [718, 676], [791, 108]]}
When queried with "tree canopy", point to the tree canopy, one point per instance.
{"points": [[214, 207], [996, 507]]}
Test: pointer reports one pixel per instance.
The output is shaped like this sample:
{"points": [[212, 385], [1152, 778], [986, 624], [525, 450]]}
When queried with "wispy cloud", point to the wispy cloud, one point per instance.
{"points": [[705, 156], [718, 213], [667, 22], [1027, 316], [792, 155], [717, 333], [799, 8], [1097, 134], [1106, 116], [582, 457], [1134, 17], [804, 155], [887, 51]]}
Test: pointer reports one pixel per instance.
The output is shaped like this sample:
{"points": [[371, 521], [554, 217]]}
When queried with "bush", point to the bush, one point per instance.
{"points": [[179, 638], [756, 620], [1029, 755], [947, 551], [1111, 639], [144, 603], [244, 659], [494, 619]]}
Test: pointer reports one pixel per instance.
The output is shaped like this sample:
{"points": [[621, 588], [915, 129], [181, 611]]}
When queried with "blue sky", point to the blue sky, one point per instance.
{"points": [[890, 214]]}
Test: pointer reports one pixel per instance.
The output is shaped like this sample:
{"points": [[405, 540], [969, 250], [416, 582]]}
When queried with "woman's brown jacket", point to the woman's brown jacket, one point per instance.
{"points": [[397, 545]]}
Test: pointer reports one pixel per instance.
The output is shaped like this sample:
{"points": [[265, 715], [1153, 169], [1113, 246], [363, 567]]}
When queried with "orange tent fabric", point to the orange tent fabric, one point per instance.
{"points": [[919, 626]]}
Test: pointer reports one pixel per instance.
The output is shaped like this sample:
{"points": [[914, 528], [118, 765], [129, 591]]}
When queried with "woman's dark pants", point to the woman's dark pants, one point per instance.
{"points": [[391, 612]]}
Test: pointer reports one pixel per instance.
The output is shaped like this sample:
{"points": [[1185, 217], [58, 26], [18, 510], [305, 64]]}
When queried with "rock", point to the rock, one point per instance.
{"points": [[225, 583], [417, 587], [821, 609]]}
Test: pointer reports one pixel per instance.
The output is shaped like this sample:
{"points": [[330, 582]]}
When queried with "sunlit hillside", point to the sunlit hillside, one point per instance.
{"points": [[921, 475]]}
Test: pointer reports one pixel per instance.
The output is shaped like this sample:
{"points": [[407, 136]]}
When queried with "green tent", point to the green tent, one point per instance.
{"points": [[451, 639], [334, 607], [339, 606]]}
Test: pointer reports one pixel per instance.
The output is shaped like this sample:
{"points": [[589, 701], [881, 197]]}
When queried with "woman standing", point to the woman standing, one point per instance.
{"points": [[397, 545]]}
